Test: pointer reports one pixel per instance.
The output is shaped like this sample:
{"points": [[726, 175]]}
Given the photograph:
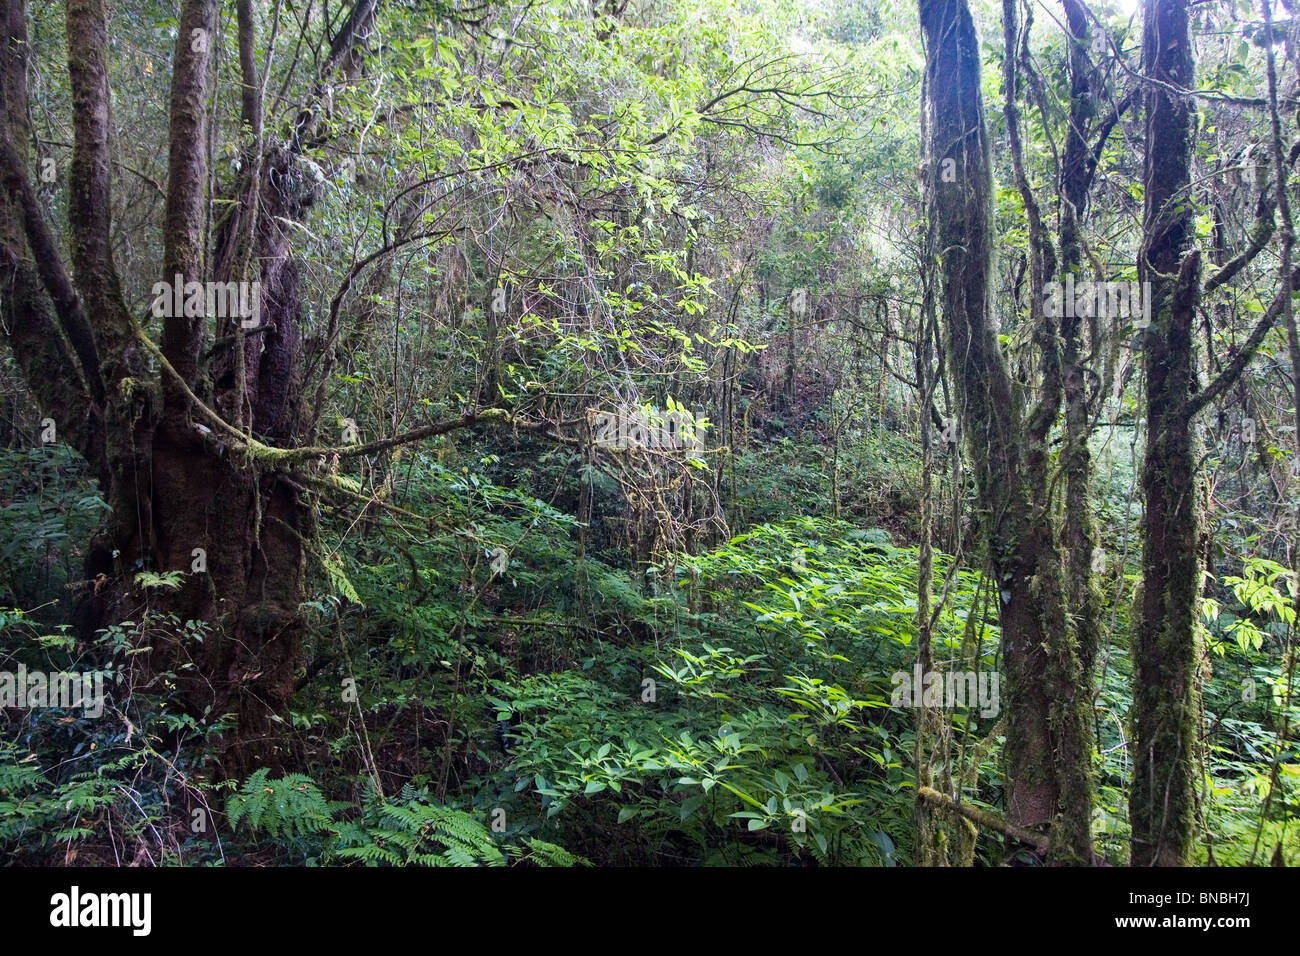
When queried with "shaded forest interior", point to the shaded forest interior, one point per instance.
{"points": [[649, 432]]}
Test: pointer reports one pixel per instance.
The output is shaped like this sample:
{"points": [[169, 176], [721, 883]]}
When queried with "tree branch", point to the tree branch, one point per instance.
{"points": [[90, 204], [983, 818], [186, 178]]}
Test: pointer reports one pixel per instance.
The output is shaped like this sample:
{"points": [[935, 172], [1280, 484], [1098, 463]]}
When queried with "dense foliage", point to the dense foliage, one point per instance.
{"points": [[523, 645]]}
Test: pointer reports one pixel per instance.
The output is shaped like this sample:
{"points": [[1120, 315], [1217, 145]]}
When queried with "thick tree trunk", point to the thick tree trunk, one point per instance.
{"points": [[1080, 534], [1162, 802], [181, 499], [1048, 737], [234, 532]]}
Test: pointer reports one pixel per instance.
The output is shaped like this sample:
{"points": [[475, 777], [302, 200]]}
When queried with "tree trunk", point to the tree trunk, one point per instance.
{"points": [[183, 496], [1077, 170], [1048, 736], [1162, 802]]}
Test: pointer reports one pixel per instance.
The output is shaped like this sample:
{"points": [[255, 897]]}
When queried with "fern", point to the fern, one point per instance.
{"points": [[25, 801], [542, 853], [413, 832], [171, 580], [290, 806]]}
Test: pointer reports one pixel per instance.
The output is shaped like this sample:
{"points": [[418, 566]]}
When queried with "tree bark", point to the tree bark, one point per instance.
{"points": [[1077, 170], [1048, 736], [1162, 801], [173, 483]]}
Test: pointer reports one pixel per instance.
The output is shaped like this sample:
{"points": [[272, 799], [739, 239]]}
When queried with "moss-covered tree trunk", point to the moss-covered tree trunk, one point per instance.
{"points": [[1162, 801], [1048, 737], [1077, 168], [183, 496]]}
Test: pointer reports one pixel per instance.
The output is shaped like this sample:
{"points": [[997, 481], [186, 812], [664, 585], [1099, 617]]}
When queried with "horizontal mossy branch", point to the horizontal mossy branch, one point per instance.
{"points": [[1244, 354], [1260, 233], [285, 457], [984, 819], [496, 415]]}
